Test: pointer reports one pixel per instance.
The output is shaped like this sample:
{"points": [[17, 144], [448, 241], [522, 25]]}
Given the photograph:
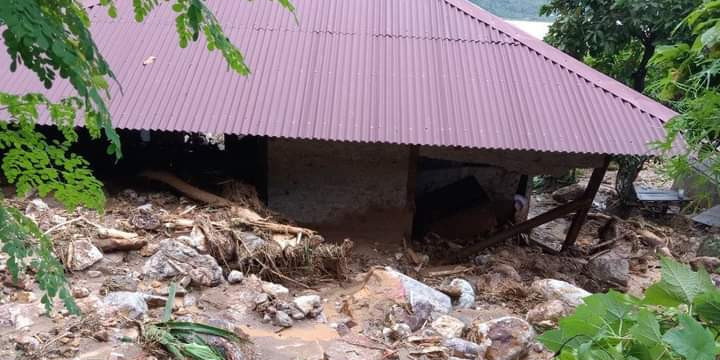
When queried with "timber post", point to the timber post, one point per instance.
{"points": [[579, 219]]}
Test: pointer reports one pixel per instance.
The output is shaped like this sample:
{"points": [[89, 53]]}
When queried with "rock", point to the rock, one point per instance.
{"points": [[610, 268], [283, 319], [27, 344], [93, 274], [149, 250], [251, 241], [196, 240], [466, 299], [397, 332], [448, 326], [710, 264], [393, 285], [17, 315], [189, 301], [547, 314], [120, 283], [464, 349], [568, 193], [506, 338], [24, 297], [165, 291], [275, 290], [80, 292], [154, 301], [83, 254], [235, 277], [709, 246], [131, 303], [309, 305], [421, 314], [173, 259], [35, 208], [560, 290], [262, 299]]}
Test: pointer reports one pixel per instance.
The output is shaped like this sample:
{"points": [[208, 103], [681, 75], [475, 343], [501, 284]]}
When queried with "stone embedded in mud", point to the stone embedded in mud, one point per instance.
{"points": [[463, 348], [83, 255], [80, 292], [309, 305], [283, 319], [506, 338], [275, 290], [547, 314], [560, 290], [568, 193], [610, 268], [173, 259], [466, 299], [448, 326], [17, 315], [235, 277], [27, 343], [393, 285], [196, 240], [120, 283], [131, 303]]}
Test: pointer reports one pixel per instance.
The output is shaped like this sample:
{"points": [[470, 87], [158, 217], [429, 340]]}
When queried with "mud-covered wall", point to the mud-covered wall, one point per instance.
{"points": [[498, 183], [321, 181]]}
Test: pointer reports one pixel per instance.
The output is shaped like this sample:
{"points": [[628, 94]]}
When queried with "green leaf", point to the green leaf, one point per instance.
{"points": [[167, 312], [691, 340], [679, 284], [707, 307], [647, 329]]}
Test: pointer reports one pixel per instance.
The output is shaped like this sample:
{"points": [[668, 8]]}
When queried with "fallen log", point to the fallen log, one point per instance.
{"points": [[108, 245], [242, 215]]}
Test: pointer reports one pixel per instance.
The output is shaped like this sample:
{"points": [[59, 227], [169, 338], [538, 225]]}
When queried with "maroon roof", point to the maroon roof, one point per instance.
{"points": [[423, 72]]}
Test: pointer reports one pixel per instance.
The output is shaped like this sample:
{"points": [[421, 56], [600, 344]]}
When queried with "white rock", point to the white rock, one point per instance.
{"points": [[309, 304], [174, 258], [196, 240], [282, 319], [467, 293], [123, 301], [548, 313], [235, 277], [36, 207], [84, 254], [448, 326], [275, 290], [560, 290]]}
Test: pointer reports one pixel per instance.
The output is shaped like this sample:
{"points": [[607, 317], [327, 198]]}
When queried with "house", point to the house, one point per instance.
{"points": [[364, 106]]}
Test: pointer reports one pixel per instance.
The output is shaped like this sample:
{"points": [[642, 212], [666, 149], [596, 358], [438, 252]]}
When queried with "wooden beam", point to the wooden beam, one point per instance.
{"points": [[525, 226], [411, 188], [592, 188]]}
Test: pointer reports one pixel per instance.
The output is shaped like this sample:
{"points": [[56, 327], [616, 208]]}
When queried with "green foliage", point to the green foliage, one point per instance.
{"points": [[16, 230], [52, 39], [676, 319], [616, 36], [515, 9], [185, 339], [690, 84]]}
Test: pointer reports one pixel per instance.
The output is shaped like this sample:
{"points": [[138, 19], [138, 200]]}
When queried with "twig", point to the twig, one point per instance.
{"points": [[450, 272], [48, 231], [601, 253]]}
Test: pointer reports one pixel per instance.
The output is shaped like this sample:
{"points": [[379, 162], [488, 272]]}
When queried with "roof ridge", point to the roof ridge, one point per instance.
{"points": [[566, 61]]}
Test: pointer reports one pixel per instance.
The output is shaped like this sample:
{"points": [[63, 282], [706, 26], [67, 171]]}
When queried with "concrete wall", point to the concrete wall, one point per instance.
{"points": [[320, 181]]}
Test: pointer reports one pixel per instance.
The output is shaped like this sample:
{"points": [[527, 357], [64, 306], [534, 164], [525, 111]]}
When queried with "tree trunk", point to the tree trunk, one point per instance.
{"points": [[630, 166]]}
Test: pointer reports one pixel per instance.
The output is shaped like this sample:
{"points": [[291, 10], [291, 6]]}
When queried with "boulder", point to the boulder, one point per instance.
{"points": [[506, 338], [448, 326], [282, 319], [610, 268], [467, 293], [402, 289], [553, 289], [83, 254], [275, 290], [131, 303], [547, 314], [174, 258], [309, 305], [235, 277], [568, 193], [709, 246]]}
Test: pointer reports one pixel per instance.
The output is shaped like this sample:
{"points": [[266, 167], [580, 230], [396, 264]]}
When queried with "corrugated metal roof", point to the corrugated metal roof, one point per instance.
{"points": [[422, 72]]}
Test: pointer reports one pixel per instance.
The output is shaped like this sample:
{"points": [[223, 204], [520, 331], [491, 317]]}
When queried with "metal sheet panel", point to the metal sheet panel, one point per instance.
{"points": [[423, 72]]}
